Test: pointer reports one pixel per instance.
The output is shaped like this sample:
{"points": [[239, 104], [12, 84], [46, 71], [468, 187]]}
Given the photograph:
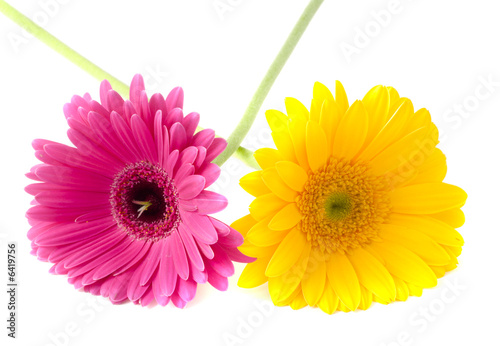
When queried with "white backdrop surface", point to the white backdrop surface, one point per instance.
{"points": [[444, 56]]}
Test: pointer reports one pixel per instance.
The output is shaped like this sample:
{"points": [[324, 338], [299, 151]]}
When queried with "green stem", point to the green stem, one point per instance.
{"points": [[241, 130], [61, 48]]}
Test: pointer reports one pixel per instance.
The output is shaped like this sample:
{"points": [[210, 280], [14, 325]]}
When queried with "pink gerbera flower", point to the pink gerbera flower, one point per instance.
{"points": [[125, 213]]}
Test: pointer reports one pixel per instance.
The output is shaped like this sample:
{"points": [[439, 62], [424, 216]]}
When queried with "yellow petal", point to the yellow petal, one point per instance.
{"points": [[284, 302], [343, 307], [439, 271], [453, 217], [351, 133], [253, 274], [287, 253], [253, 184], [321, 93], [244, 224], [277, 120], [298, 302], [366, 299], [421, 118], [264, 205], [388, 133], [393, 96], [404, 264], [419, 243], [252, 250], [295, 109], [373, 275], [397, 154], [439, 231], [274, 183], [261, 235], [267, 157], [414, 290], [315, 111], [315, 145], [376, 103], [297, 130], [427, 198], [292, 174], [329, 120], [402, 291], [313, 282], [284, 144], [344, 280], [286, 218], [341, 97], [284, 286], [329, 300], [431, 168]]}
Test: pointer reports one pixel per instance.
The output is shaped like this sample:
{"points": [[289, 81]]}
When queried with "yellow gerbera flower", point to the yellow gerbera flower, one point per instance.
{"points": [[351, 207]]}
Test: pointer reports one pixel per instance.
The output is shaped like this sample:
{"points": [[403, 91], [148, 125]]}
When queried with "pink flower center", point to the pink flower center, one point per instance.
{"points": [[144, 202]]}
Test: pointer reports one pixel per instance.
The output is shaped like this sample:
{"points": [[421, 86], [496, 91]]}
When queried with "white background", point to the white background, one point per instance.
{"points": [[435, 53]]}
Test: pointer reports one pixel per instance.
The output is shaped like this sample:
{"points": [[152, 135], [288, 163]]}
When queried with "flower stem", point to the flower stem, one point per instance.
{"points": [[267, 82], [61, 48]]}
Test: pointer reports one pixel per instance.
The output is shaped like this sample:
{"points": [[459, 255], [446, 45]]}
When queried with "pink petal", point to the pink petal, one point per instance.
{"points": [[178, 301], [211, 172], [136, 249], [191, 186], [108, 138], [221, 262], [170, 163], [236, 256], [233, 239], [124, 132], [70, 233], [157, 103], [158, 136], [125, 266], [74, 178], [179, 256], [199, 276], [148, 297], [188, 155], [103, 93], [151, 262], [128, 110], [177, 137], [167, 275], [208, 202], [191, 248], [183, 172], [190, 123], [145, 113], [221, 228], [200, 159], [136, 88], [96, 107], [175, 99], [115, 102], [204, 138], [143, 139], [161, 299], [73, 199], [217, 147], [85, 253], [174, 116], [216, 280], [186, 289], [200, 227]]}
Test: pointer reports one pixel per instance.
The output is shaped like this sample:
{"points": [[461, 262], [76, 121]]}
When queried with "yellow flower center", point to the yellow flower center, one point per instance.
{"points": [[343, 206]]}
